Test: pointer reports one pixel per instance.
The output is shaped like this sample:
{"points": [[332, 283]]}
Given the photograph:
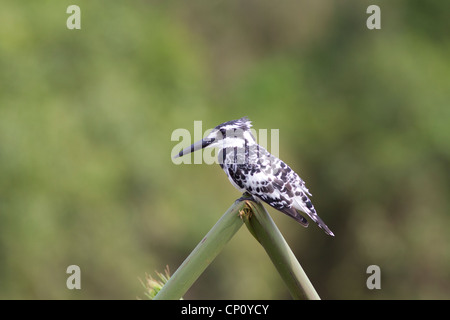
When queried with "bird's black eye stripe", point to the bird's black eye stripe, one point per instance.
{"points": [[222, 131]]}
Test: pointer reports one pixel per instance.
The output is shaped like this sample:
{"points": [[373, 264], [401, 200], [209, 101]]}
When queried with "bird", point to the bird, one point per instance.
{"points": [[253, 170]]}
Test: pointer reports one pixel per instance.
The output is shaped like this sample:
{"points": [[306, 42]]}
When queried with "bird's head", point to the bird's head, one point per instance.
{"points": [[230, 134]]}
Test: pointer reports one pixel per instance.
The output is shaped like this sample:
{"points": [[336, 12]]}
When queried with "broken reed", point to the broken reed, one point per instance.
{"points": [[261, 226]]}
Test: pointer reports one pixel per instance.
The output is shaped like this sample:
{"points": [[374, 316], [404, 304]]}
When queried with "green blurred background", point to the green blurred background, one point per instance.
{"points": [[86, 118]]}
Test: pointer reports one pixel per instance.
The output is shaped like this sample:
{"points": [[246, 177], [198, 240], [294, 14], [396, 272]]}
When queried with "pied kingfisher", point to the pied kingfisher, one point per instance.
{"points": [[252, 169]]}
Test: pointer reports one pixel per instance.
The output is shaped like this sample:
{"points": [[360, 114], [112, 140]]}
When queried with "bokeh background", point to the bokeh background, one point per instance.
{"points": [[86, 118]]}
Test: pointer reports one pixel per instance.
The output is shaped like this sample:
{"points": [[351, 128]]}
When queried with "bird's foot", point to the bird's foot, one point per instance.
{"points": [[246, 212], [247, 197]]}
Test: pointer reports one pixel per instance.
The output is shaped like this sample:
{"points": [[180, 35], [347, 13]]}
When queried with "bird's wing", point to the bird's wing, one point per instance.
{"points": [[289, 183], [275, 183], [291, 212], [270, 193], [257, 177]]}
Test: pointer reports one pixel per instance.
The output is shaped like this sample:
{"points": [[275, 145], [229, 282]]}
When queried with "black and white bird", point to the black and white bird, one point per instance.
{"points": [[252, 169]]}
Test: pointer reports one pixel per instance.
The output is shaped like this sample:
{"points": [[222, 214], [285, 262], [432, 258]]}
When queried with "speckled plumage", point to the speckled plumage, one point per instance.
{"points": [[252, 169]]}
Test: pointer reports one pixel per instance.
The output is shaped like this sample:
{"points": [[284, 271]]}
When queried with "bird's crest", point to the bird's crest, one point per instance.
{"points": [[242, 124]]}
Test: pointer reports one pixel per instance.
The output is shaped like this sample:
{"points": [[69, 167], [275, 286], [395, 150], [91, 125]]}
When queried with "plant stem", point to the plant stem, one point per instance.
{"points": [[262, 227], [203, 254]]}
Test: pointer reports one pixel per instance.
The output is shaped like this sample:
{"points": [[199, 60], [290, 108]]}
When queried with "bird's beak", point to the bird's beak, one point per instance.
{"points": [[196, 146]]}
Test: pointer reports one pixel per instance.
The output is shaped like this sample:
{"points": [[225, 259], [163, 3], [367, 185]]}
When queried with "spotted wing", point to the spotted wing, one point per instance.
{"points": [[274, 182], [288, 182]]}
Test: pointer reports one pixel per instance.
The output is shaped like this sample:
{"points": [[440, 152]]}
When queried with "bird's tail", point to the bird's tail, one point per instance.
{"points": [[305, 205]]}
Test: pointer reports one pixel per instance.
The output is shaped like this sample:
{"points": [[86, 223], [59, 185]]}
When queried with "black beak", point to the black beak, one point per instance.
{"points": [[196, 146]]}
